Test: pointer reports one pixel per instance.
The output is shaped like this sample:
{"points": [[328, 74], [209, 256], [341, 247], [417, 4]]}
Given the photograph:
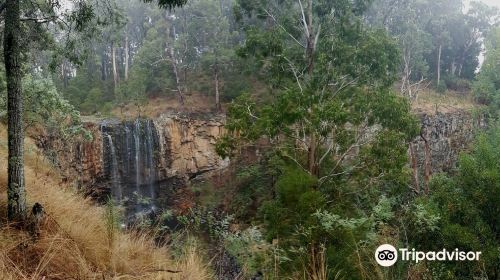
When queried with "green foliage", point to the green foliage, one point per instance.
{"points": [[112, 218], [441, 87], [45, 107], [252, 189], [457, 84], [342, 107], [422, 28], [487, 86], [296, 201], [468, 206]]}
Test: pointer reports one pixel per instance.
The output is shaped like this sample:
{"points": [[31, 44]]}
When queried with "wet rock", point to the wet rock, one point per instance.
{"points": [[154, 159]]}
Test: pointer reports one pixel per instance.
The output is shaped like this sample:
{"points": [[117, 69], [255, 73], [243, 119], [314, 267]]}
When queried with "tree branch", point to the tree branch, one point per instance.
{"points": [[284, 29]]}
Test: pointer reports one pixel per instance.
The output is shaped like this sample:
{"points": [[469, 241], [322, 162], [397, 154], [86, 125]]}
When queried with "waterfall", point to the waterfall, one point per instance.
{"points": [[115, 177], [149, 159], [127, 149], [137, 131], [130, 157]]}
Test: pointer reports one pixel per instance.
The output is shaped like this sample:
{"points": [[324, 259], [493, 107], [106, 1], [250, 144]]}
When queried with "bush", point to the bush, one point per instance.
{"points": [[441, 87], [469, 211], [457, 84]]}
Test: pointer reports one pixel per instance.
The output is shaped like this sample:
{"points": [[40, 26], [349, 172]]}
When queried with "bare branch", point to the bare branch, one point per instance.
{"points": [[296, 162], [292, 67], [40, 20], [284, 29], [250, 113], [317, 37], [304, 19]]}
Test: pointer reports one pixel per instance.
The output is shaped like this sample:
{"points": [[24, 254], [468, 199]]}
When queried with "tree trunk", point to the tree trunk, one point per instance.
{"points": [[311, 157], [170, 52], [405, 79], [64, 73], [176, 73], [186, 48], [104, 61], [16, 193], [414, 166], [126, 57], [115, 71], [310, 39], [439, 65], [427, 164], [217, 94]]}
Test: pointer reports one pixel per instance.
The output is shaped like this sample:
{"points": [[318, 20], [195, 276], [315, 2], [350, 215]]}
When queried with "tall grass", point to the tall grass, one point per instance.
{"points": [[76, 240]]}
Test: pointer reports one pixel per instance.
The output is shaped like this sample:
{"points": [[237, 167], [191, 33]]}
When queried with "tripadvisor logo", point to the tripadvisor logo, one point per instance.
{"points": [[387, 255]]}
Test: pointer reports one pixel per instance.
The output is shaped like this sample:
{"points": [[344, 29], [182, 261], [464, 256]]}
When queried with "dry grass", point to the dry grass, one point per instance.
{"points": [[75, 238], [193, 102], [430, 101]]}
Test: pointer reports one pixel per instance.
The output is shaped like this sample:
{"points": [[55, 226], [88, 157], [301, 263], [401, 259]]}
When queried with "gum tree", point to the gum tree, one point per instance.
{"points": [[330, 119]]}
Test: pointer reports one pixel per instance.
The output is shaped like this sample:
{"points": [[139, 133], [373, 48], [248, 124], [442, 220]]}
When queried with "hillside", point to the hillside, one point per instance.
{"points": [[77, 241], [429, 101]]}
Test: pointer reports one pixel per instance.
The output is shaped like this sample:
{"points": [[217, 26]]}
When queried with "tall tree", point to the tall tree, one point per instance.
{"points": [[329, 80], [16, 193]]}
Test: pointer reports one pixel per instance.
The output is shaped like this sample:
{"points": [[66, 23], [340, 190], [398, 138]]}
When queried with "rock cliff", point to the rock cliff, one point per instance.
{"points": [[141, 158], [158, 158], [447, 134], [188, 145]]}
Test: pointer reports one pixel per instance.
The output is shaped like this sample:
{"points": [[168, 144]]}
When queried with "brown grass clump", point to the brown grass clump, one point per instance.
{"points": [[74, 241], [431, 102]]}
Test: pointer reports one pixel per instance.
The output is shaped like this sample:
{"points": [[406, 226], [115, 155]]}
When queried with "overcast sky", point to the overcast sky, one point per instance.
{"points": [[492, 2], [488, 2]]}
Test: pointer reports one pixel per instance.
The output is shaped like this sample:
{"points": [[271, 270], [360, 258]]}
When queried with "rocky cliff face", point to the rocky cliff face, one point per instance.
{"points": [[446, 135], [157, 158], [188, 145], [146, 162]]}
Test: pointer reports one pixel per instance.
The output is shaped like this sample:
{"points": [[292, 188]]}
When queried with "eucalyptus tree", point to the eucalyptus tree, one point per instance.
{"points": [[403, 19], [467, 32], [330, 117], [209, 39], [486, 88], [324, 71], [436, 38]]}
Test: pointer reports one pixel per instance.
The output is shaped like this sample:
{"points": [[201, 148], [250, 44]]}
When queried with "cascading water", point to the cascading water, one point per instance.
{"points": [[130, 157], [150, 164], [115, 178], [137, 143]]}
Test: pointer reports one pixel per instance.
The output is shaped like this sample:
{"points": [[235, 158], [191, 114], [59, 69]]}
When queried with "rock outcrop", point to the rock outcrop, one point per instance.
{"points": [[443, 137], [447, 134], [188, 145]]}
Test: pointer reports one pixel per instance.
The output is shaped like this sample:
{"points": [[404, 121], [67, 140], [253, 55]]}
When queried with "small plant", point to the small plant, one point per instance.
{"points": [[441, 87], [112, 221]]}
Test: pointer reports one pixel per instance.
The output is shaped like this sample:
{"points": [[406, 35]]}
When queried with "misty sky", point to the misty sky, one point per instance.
{"points": [[492, 2], [488, 2]]}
